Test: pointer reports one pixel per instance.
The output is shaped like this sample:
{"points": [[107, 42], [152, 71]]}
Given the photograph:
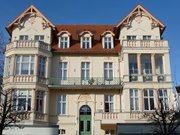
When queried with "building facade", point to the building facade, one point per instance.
{"points": [[87, 79]]}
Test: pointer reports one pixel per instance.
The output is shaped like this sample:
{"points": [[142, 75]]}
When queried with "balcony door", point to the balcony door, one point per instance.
{"points": [[85, 120], [85, 73]]}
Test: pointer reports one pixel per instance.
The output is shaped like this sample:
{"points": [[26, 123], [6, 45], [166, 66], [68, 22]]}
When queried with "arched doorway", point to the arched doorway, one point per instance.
{"points": [[85, 120]]}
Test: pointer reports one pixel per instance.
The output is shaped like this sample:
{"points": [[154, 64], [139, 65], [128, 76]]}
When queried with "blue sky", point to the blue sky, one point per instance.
{"points": [[102, 12]]}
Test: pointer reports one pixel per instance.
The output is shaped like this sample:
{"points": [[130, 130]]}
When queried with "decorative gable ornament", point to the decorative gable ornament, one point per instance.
{"points": [[32, 12]]}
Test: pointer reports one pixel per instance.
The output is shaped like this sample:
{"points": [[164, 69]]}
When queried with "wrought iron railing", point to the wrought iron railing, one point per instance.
{"points": [[79, 81]]}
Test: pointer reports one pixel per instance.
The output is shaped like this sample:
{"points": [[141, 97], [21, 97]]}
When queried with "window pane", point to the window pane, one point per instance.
{"points": [[88, 125], [146, 104], [145, 93], [136, 104], [81, 125], [160, 93], [151, 93], [151, 103]]}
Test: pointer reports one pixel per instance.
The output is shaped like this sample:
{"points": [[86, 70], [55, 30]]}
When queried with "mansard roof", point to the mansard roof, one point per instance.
{"points": [[139, 11], [96, 30], [31, 10]]}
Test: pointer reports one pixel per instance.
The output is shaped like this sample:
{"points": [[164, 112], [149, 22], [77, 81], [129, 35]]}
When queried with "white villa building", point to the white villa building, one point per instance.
{"points": [[87, 79]]}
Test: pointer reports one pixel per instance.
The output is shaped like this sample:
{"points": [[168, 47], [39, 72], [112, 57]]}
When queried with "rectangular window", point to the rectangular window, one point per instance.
{"points": [[61, 104], [148, 99], [163, 97], [146, 37], [39, 37], [159, 64], [63, 70], [85, 42], [42, 66], [23, 37], [39, 101], [133, 64], [108, 103], [108, 70], [131, 37], [64, 42], [22, 100], [25, 64], [134, 100], [85, 71], [146, 64], [107, 42]]}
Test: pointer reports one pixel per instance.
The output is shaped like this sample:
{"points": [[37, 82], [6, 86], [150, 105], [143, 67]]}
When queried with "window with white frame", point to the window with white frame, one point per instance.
{"points": [[86, 41], [39, 37], [131, 37], [148, 99], [108, 70], [163, 97], [61, 104], [134, 100], [42, 66], [39, 101], [22, 100], [146, 64], [108, 41], [133, 69], [25, 64], [146, 37], [159, 64], [109, 132], [85, 70], [23, 37], [8, 66], [63, 70], [64, 41], [108, 103]]}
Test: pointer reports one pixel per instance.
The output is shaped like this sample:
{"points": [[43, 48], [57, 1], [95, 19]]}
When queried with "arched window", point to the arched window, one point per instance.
{"points": [[107, 40], [64, 39], [85, 110]]}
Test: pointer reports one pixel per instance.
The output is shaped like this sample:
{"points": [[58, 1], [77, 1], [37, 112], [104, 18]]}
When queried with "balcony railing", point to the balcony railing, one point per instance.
{"points": [[77, 81], [28, 44], [145, 43]]}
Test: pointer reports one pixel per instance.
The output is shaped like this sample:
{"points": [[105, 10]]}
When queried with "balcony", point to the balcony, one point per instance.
{"points": [[116, 117], [78, 83], [145, 43], [28, 44]]}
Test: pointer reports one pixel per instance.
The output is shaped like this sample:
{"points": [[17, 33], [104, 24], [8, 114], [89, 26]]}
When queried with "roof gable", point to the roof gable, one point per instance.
{"points": [[139, 11], [33, 11]]}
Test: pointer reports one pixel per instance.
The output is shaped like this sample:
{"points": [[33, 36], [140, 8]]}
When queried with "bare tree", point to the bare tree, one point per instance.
{"points": [[9, 116], [165, 121]]}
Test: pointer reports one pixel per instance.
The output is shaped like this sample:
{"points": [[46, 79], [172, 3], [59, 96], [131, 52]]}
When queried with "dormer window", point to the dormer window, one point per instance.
{"points": [[107, 40], [64, 39], [86, 38]]}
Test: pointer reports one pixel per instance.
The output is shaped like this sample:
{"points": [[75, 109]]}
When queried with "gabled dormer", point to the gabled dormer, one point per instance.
{"points": [[86, 39], [64, 39], [141, 23], [31, 25], [108, 39]]}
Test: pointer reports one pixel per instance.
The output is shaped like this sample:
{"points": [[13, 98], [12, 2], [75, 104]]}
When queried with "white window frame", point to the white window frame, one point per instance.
{"points": [[63, 70], [108, 69], [149, 101], [30, 63], [159, 68], [131, 37], [60, 102], [39, 101], [134, 98], [86, 70], [133, 66], [42, 66], [85, 40], [109, 102], [108, 39], [164, 98], [39, 37], [146, 62], [23, 37], [18, 95], [65, 42]]}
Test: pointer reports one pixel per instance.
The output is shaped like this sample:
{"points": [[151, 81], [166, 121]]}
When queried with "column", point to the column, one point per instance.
{"points": [[139, 63], [46, 105], [167, 68], [126, 67], [156, 101], [141, 100], [36, 64], [48, 67], [33, 104], [154, 77]]}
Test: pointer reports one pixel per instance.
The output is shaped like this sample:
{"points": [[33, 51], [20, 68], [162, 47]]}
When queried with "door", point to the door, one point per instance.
{"points": [[85, 120]]}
